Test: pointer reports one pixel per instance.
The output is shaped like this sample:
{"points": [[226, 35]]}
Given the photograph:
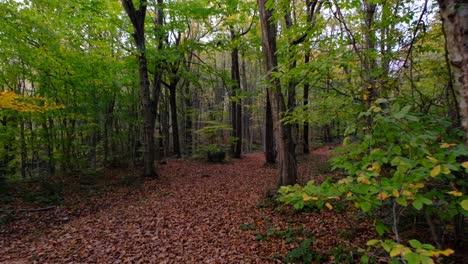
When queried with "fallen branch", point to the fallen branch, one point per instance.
{"points": [[27, 210]]}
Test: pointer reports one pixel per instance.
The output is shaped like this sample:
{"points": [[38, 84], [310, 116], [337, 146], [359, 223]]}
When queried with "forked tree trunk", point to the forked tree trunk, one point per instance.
{"points": [[454, 16], [287, 168]]}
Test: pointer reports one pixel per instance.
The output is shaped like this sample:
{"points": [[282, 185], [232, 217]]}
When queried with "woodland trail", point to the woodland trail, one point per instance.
{"points": [[192, 214]]}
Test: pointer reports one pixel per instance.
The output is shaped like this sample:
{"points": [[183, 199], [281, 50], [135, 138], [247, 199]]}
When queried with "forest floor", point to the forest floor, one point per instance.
{"points": [[195, 212]]}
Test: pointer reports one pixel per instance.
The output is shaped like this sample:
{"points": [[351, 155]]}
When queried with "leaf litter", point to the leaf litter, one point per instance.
{"points": [[195, 212]]}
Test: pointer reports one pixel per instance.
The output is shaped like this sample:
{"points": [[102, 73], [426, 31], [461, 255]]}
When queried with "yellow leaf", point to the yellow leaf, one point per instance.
{"points": [[333, 197], [417, 185], [455, 193], [465, 164], [407, 193], [307, 197], [445, 170], [349, 194], [447, 145], [399, 250], [383, 195], [396, 193], [375, 168], [329, 206], [376, 109], [447, 252], [363, 179], [432, 159], [372, 242], [394, 252], [436, 171]]}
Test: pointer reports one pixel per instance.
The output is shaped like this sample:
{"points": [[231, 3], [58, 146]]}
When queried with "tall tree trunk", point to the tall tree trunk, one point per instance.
{"points": [[49, 147], [175, 123], [270, 151], [236, 103], [24, 151], [287, 167], [188, 121], [137, 18], [454, 16], [306, 102]]}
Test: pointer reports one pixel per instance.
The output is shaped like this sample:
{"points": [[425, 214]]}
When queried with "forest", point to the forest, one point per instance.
{"points": [[233, 131]]}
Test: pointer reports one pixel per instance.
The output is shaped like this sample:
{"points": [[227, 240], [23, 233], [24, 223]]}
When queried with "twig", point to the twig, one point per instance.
{"points": [[27, 210]]}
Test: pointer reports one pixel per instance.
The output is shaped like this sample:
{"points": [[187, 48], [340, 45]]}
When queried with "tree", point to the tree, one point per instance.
{"points": [[287, 167], [454, 16], [148, 103]]}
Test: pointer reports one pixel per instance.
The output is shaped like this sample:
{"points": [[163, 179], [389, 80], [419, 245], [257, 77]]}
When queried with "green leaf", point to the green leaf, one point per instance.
{"points": [[464, 204], [402, 201], [415, 243], [365, 206], [417, 204], [412, 258], [425, 200], [381, 228], [372, 242]]}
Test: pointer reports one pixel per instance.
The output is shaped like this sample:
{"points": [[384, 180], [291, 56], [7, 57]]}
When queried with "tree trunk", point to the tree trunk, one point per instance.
{"points": [[454, 16], [137, 18], [306, 102], [270, 152], [24, 151], [175, 123], [236, 103], [287, 168]]}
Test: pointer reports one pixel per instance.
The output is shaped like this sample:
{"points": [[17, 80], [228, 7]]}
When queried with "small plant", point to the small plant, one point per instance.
{"points": [[304, 253], [247, 226], [215, 154]]}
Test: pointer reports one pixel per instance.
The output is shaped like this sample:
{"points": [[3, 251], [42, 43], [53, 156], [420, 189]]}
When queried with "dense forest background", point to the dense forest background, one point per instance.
{"points": [[87, 85]]}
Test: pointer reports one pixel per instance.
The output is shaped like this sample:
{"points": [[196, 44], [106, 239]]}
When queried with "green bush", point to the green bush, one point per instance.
{"points": [[402, 162]]}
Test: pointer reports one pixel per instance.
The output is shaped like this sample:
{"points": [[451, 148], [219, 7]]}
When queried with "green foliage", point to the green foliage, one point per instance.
{"points": [[404, 160], [303, 253], [247, 226]]}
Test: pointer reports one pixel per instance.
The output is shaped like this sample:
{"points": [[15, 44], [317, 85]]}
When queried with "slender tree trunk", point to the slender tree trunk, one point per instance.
{"points": [[108, 128], [175, 123], [24, 151], [188, 121], [306, 146], [236, 103], [49, 147], [287, 168]]}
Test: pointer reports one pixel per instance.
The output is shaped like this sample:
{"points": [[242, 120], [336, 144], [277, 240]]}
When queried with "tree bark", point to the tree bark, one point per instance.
{"points": [[137, 18], [270, 152], [287, 168], [236, 102], [454, 16], [175, 123], [306, 102]]}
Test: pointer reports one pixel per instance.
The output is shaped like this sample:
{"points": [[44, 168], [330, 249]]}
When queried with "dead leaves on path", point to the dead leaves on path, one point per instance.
{"points": [[193, 214]]}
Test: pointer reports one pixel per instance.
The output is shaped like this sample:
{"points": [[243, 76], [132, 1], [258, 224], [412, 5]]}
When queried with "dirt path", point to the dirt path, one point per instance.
{"points": [[193, 214]]}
